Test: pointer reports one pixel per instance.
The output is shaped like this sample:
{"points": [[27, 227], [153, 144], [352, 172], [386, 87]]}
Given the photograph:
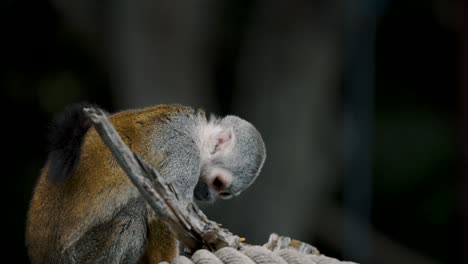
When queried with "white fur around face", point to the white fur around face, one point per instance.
{"points": [[214, 140]]}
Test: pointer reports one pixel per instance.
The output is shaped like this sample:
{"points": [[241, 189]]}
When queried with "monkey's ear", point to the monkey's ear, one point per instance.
{"points": [[222, 140]]}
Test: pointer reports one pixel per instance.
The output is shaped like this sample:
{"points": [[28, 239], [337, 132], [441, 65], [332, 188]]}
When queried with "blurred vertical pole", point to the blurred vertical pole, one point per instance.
{"points": [[158, 52], [359, 108], [464, 130], [287, 80]]}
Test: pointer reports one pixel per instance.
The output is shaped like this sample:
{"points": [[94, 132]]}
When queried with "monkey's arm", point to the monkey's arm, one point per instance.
{"points": [[181, 167]]}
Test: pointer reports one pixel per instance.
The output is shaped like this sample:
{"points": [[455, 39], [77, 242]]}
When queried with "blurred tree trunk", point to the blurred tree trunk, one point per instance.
{"points": [[159, 53]]}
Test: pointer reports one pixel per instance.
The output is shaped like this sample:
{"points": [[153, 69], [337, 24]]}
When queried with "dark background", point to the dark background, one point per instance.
{"points": [[360, 104]]}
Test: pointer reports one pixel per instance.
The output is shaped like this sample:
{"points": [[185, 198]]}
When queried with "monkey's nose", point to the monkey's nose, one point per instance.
{"points": [[220, 184]]}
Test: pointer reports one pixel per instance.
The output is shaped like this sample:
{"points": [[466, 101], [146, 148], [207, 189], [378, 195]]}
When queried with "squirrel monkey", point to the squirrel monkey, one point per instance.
{"points": [[86, 210]]}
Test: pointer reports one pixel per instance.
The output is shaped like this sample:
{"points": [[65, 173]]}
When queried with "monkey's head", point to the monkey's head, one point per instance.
{"points": [[232, 155]]}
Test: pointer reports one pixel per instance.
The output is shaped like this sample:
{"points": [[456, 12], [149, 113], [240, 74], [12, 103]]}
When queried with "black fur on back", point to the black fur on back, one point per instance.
{"points": [[66, 136]]}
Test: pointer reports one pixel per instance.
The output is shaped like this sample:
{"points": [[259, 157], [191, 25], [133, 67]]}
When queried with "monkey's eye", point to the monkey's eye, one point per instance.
{"points": [[213, 150], [225, 195]]}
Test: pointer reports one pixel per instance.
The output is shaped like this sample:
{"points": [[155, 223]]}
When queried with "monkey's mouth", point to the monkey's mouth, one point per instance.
{"points": [[203, 193]]}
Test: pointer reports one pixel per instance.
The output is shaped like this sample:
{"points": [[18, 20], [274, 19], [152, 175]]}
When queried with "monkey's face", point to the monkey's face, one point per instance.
{"points": [[232, 159], [225, 178]]}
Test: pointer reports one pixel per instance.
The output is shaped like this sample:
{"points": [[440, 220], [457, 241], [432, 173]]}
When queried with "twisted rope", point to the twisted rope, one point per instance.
{"points": [[278, 250]]}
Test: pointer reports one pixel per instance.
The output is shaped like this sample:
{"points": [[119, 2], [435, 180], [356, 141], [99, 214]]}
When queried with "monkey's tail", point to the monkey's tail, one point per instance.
{"points": [[65, 139]]}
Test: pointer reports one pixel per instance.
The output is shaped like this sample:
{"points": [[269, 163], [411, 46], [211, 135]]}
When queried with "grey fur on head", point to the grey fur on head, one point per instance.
{"points": [[190, 144], [248, 153]]}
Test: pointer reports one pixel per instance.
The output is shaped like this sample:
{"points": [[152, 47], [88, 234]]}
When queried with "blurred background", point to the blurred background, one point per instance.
{"points": [[361, 104]]}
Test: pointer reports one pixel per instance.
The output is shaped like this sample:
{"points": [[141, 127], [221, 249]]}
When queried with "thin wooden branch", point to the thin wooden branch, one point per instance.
{"points": [[188, 222]]}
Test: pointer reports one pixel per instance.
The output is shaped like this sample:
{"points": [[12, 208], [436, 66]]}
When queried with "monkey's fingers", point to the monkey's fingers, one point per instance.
{"points": [[276, 242]]}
